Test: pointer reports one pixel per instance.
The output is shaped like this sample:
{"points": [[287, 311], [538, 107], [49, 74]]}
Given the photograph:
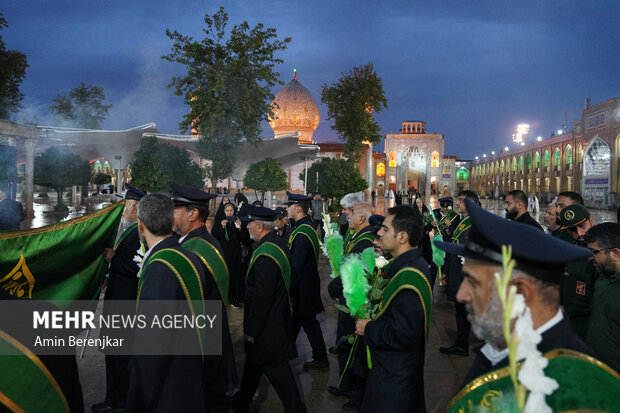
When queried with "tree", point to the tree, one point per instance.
{"points": [[82, 108], [100, 179], [59, 168], [13, 65], [266, 175], [227, 86], [156, 164], [350, 103], [336, 178]]}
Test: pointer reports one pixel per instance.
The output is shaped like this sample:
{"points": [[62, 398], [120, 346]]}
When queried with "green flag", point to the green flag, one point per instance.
{"points": [[62, 261]]}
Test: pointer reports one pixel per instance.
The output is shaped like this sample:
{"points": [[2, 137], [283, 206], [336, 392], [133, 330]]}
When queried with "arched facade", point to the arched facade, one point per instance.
{"points": [[583, 161]]}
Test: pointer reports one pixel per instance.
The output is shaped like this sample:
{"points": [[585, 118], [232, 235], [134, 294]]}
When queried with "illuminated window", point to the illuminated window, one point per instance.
{"points": [[462, 174], [502, 166], [514, 164], [537, 160], [380, 169], [521, 163], [97, 166], [392, 159], [529, 162], [434, 159], [546, 159], [557, 155], [569, 154]]}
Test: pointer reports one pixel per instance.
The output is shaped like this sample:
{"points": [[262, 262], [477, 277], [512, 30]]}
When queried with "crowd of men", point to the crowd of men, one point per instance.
{"points": [[568, 277]]}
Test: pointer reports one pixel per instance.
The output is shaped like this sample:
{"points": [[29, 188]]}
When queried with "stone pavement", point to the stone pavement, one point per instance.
{"points": [[443, 374]]}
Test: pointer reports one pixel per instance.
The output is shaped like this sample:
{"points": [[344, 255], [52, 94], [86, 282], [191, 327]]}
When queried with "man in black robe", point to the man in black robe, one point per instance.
{"points": [[165, 382], [122, 285], [540, 262], [11, 212], [396, 338], [352, 383], [191, 210], [305, 281], [268, 333]]}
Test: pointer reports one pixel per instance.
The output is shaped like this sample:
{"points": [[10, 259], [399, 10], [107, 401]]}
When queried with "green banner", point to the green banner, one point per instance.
{"points": [[62, 261]]}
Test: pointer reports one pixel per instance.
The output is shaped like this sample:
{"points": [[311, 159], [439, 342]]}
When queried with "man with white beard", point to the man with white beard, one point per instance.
{"points": [[539, 270]]}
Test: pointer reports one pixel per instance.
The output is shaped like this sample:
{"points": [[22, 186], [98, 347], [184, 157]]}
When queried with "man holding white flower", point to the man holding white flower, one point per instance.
{"points": [[534, 282]]}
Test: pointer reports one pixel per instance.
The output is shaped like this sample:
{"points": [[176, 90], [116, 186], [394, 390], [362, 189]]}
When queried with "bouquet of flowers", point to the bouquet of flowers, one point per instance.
{"points": [[332, 245]]}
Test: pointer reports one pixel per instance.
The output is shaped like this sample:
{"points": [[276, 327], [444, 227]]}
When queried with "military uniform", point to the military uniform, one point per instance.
{"points": [[267, 321], [306, 283], [578, 285], [397, 338], [603, 330]]}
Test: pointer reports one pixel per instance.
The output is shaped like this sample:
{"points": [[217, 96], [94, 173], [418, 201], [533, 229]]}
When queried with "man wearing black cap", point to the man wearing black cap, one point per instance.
{"points": [[578, 285], [455, 278], [268, 333], [396, 338], [122, 285], [191, 210], [563, 200], [305, 281], [352, 382], [167, 383], [540, 262], [283, 228], [516, 209]]}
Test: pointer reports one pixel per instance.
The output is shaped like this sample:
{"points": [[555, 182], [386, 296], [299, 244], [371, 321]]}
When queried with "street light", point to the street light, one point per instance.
{"points": [[539, 139]]}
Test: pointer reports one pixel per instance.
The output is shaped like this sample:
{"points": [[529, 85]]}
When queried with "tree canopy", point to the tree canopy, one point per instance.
{"points": [[156, 164], [227, 86], [13, 65], [266, 175], [59, 168], [336, 178], [350, 104], [82, 108]]}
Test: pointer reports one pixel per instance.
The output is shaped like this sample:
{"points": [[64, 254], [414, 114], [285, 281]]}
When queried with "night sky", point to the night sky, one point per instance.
{"points": [[471, 70]]}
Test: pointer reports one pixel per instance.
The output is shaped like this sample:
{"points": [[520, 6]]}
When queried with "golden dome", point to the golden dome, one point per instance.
{"points": [[296, 111]]}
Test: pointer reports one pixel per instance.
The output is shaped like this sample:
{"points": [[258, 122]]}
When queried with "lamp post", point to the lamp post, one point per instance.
{"points": [[119, 175]]}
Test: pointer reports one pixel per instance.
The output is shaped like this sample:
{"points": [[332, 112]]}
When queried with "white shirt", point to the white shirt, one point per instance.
{"points": [[146, 255], [495, 356]]}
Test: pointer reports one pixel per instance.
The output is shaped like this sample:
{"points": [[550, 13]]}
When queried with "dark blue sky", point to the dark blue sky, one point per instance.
{"points": [[471, 70]]}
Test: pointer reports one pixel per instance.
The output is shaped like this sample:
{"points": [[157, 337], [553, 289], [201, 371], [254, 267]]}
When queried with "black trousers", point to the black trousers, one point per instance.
{"points": [[462, 326], [281, 378], [315, 335], [117, 381]]}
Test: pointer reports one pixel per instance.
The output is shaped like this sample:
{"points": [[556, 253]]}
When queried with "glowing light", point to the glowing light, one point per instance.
{"points": [[522, 143], [560, 132], [492, 152], [392, 178], [484, 155], [476, 157], [539, 138], [522, 129], [506, 148]]}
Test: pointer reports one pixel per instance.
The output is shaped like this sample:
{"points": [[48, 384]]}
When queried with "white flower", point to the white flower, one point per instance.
{"points": [[532, 372], [139, 258], [518, 305], [380, 262]]}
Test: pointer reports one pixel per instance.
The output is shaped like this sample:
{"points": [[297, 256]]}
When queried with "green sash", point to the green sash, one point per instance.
{"points": [[271, 250], [26, 385], [442, 222], [125, 233], [354, 241], [347, 237], [586, 384], [189, 278], [409, 278], [213, 260], [462, 227], [309, 232]]}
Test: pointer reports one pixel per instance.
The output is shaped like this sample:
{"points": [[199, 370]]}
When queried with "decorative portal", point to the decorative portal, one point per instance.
{"points": [[596, 171]]}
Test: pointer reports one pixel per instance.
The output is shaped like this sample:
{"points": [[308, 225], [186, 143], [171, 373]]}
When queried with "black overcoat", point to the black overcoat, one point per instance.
{"points": [[305, 281], [267, 314], [397, 340]]}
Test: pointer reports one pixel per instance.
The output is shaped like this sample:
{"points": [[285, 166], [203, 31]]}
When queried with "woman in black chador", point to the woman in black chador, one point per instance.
{"points": [[227, 230]]}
